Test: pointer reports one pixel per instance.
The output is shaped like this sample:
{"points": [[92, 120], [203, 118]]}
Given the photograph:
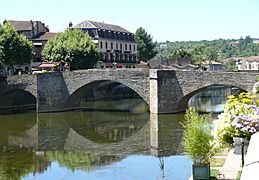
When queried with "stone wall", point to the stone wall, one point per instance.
{"points": [[51, 91], [136, 79], [24, 82], [166, 91], [192, 82]]}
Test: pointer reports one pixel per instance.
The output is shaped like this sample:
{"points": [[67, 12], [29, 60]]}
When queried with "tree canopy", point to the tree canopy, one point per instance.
{"points": [[145, 44], [216, 50], [74, 47], [14, 48]]}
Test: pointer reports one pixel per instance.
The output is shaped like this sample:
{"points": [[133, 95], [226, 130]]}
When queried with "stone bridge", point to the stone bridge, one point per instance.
{"points": [[166, 91]]}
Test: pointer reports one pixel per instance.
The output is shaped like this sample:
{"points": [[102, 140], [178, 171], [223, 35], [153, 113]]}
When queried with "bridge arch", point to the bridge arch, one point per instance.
{"points": [[17, 98], [182, 104], [135, 79], [74, 99]]}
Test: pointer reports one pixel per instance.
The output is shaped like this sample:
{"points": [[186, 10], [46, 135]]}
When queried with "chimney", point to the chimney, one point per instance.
{"points": [[37, 26], [70, 24], [32, 28]]}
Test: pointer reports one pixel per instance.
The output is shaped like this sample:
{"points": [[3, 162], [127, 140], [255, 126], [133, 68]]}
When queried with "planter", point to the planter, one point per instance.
{"points": [[201, 171], [238, 145]]}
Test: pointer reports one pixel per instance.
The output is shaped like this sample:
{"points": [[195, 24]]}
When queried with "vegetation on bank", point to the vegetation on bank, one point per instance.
{"points": [[211, 50], [14, 48], [74, 47], [146, 47]]}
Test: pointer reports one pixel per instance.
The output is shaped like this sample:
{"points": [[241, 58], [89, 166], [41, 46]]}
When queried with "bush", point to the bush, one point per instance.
{"points": [[239, 119], [198, 142]]}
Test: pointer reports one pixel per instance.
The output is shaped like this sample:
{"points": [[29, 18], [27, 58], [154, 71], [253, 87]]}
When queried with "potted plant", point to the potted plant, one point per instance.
{"points": [[198, 142]]}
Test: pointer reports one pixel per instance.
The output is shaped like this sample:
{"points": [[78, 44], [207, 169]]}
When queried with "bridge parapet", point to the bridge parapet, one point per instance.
{"points": [[166, 91]]}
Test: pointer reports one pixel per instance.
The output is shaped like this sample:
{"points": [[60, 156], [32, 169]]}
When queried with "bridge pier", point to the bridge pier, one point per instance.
{"points": [[52, 92], [165, 91]]}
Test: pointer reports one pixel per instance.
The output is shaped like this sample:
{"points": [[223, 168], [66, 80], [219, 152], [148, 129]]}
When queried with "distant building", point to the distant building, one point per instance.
{"points": [[183, 64], [213, 66], [31, 29], [247, 63], [255, 41], [39, 43], [234, 43], [35, 31], [117, 45]]}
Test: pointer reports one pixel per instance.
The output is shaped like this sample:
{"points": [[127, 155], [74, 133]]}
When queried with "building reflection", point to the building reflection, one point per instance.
{"points": [[165, 135], [85, 140]]}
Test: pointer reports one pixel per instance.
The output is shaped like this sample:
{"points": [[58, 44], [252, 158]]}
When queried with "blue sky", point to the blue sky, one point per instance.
{"points": [[172, 20]]}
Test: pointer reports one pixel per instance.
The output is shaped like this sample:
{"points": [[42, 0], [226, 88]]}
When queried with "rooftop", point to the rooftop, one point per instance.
{"points": [[98, 25], [21, 25], [46, 36]]}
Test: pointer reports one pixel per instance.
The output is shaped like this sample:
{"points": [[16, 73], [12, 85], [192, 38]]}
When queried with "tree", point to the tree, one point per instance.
{"points": [[146, 46], [1, 55], [14, 48], [181, 54], [74, 47]]}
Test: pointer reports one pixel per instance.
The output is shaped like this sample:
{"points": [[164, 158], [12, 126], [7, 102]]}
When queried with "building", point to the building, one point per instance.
{"points": [[256, 40], [30, 29], [38, 33], [39, 43], [117, 45], [213, 66], [247, 63]]}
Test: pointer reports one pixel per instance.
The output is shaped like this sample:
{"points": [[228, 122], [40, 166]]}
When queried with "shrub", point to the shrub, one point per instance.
{"points": [[198, 142]]}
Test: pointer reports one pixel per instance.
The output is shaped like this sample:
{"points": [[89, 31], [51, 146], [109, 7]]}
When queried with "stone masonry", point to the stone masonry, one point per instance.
{"points": [[166, 91]]}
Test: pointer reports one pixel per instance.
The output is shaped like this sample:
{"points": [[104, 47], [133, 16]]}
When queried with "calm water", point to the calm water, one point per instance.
{"points": [[213, 98], [109, 140], [92, 145]]}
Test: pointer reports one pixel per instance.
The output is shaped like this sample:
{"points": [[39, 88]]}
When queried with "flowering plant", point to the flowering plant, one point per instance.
{"points": [[240, 118]]}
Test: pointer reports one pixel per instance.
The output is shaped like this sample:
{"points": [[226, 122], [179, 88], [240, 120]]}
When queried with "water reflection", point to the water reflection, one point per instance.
{"points": [[94, 145], [213, 98]]}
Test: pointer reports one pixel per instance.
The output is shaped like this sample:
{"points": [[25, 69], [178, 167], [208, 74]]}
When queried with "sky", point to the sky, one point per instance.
{"points": [[172, 20]]}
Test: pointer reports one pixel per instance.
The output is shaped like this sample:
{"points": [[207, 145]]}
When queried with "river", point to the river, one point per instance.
{"points": [[116, 139]]}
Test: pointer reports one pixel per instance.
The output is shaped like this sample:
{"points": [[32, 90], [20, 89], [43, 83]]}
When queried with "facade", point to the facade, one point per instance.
{"points": [[39, 43], [214, 66], [247, 63], [117, 45], [38, 33], [30, 29], [255, 40]]}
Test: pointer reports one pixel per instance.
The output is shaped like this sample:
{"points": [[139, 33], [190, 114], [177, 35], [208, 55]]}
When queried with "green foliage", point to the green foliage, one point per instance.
{"points": [[181, 54], [224, 131], [14, 48], [146, 46], [197, 137], [73, 46], [1, 56], [72, 160], [217, 50]]}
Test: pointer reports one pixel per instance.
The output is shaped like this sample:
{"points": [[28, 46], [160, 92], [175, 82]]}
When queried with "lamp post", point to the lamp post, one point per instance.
{"points": [[242, 149], [114, 58]]}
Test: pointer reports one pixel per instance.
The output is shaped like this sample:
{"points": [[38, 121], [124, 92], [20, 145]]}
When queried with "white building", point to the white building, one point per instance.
{"points": [[117, 45], [248, 63]]}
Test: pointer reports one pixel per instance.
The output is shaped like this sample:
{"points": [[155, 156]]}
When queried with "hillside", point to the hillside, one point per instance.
{"points": [[217, 50]]}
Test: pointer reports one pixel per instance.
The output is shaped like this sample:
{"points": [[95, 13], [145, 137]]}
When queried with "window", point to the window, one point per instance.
{"points": [[134, 47], [106, 45], [117, 46], [121, 46], [126, 47], [101, 44], [111, 45], [130, 47]]}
